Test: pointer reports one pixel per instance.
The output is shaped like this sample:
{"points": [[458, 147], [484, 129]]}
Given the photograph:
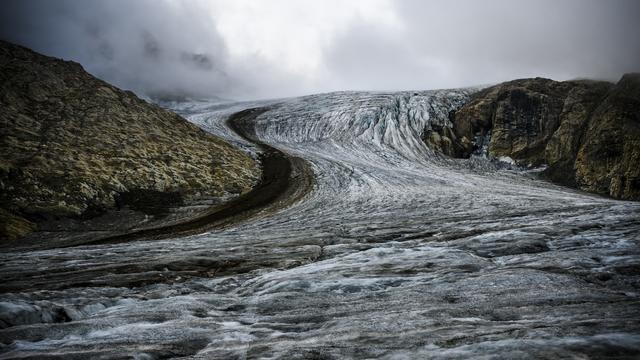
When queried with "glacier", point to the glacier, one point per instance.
{"points": [[397, 252]]}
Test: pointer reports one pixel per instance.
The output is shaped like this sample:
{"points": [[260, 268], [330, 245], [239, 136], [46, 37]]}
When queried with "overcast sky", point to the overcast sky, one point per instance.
{"points": [[246, 49]]}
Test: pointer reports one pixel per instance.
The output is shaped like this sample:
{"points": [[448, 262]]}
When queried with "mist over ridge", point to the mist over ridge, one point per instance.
{"points": [[267, 49]]}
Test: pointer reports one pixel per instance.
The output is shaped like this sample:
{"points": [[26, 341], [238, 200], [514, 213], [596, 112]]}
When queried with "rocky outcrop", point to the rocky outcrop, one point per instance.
{"points": [[585, 132], [608, 162], [521, 116], [72, 145], [563, 146], [441, 137]]}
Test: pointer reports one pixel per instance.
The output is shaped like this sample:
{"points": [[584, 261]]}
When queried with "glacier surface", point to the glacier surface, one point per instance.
{"points": [[396, 253]]}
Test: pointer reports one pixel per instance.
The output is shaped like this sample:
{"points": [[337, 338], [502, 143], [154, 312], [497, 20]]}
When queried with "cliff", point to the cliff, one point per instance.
{"points": [[587, 133]]}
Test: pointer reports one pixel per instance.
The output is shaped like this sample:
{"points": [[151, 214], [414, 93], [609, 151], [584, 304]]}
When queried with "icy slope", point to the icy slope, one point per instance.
{"points": [[396, 253]]}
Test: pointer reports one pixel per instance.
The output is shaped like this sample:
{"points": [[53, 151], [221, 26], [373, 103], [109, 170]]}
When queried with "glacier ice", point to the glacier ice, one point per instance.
{"points": [[397, 252]]}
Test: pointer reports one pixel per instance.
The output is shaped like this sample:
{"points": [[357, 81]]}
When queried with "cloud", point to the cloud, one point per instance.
{"points": [[153, 47], [466, 42], [368, 57], [261, 49]]}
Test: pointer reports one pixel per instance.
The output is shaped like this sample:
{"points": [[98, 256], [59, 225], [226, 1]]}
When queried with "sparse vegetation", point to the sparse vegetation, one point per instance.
{"points": [[72, 144]]}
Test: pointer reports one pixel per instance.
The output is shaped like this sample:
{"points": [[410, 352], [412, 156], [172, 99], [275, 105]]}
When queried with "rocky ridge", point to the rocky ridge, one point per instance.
{"points": [[72, 145], [586, 133]]}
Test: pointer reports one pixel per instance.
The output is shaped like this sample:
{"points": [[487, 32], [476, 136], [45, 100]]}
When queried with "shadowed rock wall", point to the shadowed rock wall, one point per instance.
{"points": [[586, 132]]}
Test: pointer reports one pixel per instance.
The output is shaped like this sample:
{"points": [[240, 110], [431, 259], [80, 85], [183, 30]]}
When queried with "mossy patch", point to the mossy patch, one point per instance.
{"points": [[13, 227]]}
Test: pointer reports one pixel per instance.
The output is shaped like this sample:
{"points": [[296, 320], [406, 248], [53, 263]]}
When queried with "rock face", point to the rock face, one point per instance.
{"points": [[609, 160], [562, 148], [72, 145], [586, 132]]}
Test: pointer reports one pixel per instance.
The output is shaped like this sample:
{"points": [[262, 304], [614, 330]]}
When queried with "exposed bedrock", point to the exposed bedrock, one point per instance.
{"points": [[587, 133], [609, 159]]}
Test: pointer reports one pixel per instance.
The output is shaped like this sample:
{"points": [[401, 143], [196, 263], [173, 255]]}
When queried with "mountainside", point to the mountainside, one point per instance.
{"points": [[609, 159], [72, 145], [586, 132]]}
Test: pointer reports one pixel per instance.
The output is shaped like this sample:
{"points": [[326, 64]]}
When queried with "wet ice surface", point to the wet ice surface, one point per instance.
{"points": [[397, 253]]}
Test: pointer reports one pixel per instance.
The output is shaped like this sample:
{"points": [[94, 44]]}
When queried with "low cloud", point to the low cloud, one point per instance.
{"points": [[459, 43], [152, 47], [261, 49]]}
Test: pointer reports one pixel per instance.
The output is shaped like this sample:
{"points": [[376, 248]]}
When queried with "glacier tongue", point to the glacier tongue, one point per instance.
{"points": [[396, 253]]}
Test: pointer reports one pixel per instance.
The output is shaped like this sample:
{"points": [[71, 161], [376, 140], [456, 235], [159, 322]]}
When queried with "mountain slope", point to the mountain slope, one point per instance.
{"points": [[609, 161], [72, 145], [586, 132]]}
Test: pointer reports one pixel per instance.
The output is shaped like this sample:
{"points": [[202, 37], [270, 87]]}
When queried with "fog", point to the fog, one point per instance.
{"points": [[264, 49]]}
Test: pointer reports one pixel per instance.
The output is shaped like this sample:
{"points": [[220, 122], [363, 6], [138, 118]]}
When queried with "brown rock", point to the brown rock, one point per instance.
{"points": [[585, 131], [562, 148], [522, 115], [608, 162]]}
